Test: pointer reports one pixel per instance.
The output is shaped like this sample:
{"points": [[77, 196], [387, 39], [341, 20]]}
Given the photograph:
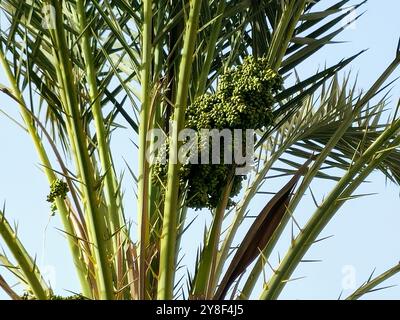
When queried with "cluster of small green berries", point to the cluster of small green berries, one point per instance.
{"points": [[244, 100], [205, 184], [58, 189]]}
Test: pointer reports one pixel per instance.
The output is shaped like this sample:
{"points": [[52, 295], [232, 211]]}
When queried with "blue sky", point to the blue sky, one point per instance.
{"points": [[366, 231]]}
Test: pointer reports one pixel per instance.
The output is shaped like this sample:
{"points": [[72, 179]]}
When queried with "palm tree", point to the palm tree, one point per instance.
{"points": [[79, 69]]}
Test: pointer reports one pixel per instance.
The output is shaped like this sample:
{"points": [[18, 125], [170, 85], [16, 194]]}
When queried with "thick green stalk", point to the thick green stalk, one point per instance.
{"points": [[51, 177], [204, 285], [143, 177], [113, 212], [169, 232], [96, 222], [25, 263], [103, 147], [71, 138]]}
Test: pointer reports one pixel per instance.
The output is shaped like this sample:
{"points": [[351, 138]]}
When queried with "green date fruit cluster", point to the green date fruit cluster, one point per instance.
{"points": [[58, 189], [243, 100]]}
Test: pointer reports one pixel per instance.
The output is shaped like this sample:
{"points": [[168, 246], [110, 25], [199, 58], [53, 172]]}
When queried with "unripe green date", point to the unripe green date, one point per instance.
{"points": [[244, 100]]}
